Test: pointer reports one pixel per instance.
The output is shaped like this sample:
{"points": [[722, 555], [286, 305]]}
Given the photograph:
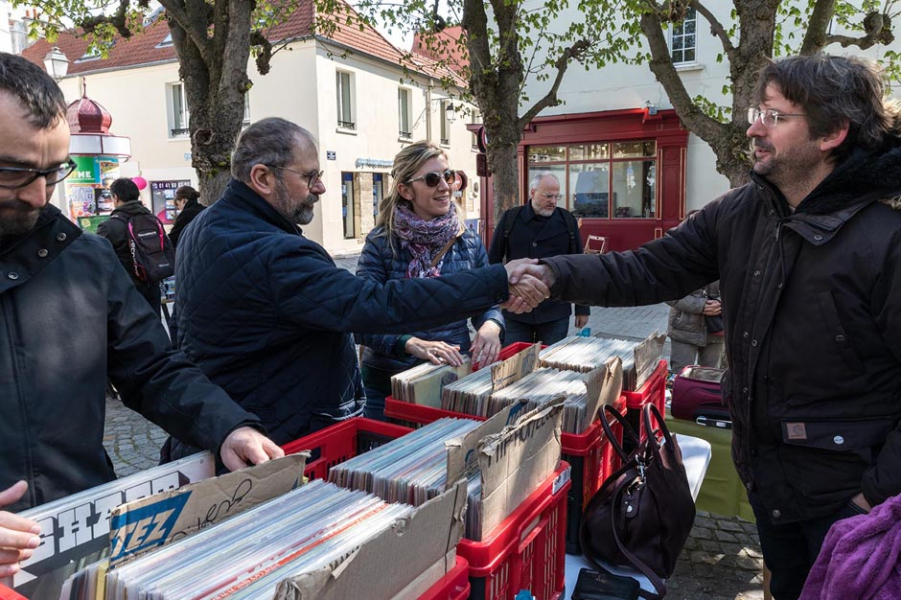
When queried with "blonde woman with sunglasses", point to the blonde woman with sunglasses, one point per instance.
{"points": [[420, 233]]}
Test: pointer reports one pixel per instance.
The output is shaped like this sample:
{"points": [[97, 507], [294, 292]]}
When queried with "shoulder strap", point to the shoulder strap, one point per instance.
{"points": [[444, 250], [510, 220], [573, 226]]}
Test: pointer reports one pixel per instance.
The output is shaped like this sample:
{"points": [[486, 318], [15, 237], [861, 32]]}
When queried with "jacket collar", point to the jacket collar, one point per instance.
{"points": [[132, 207], [28, 254], [865, 177], [240, 193]]}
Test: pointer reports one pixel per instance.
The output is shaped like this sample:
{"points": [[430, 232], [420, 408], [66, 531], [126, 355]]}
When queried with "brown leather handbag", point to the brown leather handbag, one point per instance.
{"points": [[643, 513]]}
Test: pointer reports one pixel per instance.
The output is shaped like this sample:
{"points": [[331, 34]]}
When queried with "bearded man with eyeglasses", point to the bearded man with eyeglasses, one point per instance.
{"points": [[808, 255], [539, 229], [69, 319], [268, 315]]}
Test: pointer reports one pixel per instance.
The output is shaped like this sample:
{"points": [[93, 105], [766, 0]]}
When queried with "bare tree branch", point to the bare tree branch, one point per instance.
{"points": [[574, 52], [716, 28], [817, 26], [661, 65], [175, 9], [878, 29]]}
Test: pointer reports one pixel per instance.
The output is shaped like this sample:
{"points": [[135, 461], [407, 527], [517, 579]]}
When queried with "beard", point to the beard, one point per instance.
{"points": [[19, 219], [792, 164], [296, 211]]}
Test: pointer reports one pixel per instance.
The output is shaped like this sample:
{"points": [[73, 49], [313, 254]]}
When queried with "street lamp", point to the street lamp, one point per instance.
{"points": [[450, 113], [56, 63]]}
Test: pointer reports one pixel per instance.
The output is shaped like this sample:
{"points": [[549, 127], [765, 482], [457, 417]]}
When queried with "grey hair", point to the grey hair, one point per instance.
{"points": [[533, 184], [269, 142]]}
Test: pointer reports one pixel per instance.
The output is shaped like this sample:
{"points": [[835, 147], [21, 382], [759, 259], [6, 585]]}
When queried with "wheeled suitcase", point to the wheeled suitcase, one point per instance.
{"points": [[698, 396]]}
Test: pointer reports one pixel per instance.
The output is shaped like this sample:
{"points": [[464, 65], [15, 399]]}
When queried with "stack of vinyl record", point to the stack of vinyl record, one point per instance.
{"points": [[423, 383], [246, 556], [584, 354], [544, 385], [410, 469]]}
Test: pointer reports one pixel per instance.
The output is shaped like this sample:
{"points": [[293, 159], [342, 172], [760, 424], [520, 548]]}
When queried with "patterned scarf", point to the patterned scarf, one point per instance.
{"points": [[424, 239]]}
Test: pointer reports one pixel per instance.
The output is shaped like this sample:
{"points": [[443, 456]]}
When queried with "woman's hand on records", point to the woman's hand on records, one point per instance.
{"points": [[437, 353], [246, 446], [18, 535], [486, 345]]}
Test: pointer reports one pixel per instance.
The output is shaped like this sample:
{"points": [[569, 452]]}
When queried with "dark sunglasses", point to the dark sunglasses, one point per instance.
{"points": [[434, 178]]}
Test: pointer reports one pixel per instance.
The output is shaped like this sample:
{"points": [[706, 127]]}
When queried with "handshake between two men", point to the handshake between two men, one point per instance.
{"points": [[530, 284]]}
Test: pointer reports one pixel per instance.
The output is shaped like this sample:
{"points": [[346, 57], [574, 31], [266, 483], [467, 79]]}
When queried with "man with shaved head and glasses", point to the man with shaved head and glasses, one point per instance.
{"points": [[808, 254], [539, 229], [266, 313], [71, 318]]}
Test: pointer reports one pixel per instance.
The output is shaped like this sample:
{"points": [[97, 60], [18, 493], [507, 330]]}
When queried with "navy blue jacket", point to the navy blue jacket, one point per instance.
{"points": [[266, 314], [380, 264], [552, 240]]}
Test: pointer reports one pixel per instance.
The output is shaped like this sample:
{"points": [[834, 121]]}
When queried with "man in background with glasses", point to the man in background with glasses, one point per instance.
{"points": [[539, 229], [266, 313], [69, 318], [808, 255]]}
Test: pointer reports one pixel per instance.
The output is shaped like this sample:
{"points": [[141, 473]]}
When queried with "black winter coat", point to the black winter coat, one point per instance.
{"points": [[267, 315], [812, 308], [552, 240], [116, 231], [192, 209], [70, 317]]}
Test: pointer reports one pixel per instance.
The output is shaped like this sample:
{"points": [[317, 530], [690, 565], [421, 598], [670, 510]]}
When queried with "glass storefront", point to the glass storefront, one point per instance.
{"points": [[602, 180]]}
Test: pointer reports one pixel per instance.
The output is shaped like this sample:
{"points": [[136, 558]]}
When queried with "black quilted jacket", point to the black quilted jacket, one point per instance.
{"points": [[268, 316]]}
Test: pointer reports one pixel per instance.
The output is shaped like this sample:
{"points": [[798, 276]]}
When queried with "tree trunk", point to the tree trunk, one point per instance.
{"points": [[214, 71], [504, 177]]}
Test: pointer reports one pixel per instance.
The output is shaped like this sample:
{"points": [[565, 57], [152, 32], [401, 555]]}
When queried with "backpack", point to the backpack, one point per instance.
{"points": [[571, 225], [152, 252]]}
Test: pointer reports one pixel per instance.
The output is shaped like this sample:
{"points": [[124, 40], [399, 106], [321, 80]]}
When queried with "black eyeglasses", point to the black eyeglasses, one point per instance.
{"points": [[312, 177], [13, 178], [434, 178]]}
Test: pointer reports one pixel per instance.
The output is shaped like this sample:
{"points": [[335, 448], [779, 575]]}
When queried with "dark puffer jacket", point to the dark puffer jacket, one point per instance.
{"points": [[380, 264], [70, 317], [266, 314], [188, 213], [812, 308]]}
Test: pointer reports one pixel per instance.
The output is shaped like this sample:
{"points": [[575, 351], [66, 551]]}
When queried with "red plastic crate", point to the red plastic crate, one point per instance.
{"points": [[8, 594], [591, 456], [652, 391], [453, 586], [337, 443], [527, 550]]}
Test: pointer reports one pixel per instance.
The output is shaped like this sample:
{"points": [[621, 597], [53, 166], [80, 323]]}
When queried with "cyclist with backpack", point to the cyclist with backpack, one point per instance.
{"points": [[139, 240], [539, 229]]}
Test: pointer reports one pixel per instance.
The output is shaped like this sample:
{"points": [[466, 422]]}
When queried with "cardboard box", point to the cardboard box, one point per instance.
{"points": [[401, 562], [75, 529], [514, 459], [143, 525]]}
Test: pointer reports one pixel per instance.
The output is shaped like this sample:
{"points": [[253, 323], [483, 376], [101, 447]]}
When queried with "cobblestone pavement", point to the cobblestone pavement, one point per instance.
{"points": [[721, 560]]}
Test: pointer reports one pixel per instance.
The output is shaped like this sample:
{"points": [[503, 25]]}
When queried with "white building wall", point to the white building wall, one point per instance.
{"points": [[301, 88]]}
